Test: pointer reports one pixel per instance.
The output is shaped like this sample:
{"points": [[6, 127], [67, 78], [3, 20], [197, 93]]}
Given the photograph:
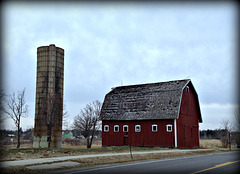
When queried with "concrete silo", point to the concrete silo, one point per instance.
{"points": [[49, 97]]}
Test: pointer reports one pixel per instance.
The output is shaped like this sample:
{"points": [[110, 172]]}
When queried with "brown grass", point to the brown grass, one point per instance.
{"points": [[136, 157], [70, 150], [87, 162], [66, 150], [210, 144]]}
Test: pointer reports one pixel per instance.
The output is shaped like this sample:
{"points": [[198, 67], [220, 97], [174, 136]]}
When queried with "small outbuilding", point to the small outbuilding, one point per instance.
{"points": [[164, 114], [67, 134]]}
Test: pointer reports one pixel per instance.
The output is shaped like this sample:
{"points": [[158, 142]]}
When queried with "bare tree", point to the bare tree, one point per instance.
{"points": [[87, 121], [237, 117], [53, 111], [1, 105], [16, 109], [227, 126]]}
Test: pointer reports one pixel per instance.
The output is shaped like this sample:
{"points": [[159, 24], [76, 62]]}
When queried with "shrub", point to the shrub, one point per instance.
{"points": [[224, 141]]}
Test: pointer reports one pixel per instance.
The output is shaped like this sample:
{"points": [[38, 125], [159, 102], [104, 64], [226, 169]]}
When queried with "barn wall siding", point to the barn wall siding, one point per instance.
{"points": [[146, 137], [188, 121]]}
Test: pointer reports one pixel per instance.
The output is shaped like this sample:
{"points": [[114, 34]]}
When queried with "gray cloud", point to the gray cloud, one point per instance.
{"points": [[107, 46]]}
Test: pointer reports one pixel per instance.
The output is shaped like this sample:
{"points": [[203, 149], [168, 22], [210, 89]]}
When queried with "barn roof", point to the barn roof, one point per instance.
{"points": [[144, 102]]}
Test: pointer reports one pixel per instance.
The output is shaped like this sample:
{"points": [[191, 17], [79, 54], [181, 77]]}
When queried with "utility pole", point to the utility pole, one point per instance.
{"points": [[229, 140]]}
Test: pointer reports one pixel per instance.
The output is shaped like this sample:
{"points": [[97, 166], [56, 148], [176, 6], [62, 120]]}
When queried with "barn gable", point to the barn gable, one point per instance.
{"points": [[145, 101]]}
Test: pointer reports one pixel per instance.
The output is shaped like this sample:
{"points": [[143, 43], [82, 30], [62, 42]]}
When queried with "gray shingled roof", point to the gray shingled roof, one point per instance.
{"points": [[144, 102]]}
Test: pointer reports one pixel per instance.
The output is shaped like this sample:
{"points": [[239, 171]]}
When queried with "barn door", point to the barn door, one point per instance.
{"points": [[188, 136], [195, 137]]}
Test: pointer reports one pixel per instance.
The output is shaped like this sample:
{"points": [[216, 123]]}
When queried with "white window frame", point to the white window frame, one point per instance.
{"points": [[137, 129], [169, 126], [187, 89], [106, 128], [116, 126], [124, 127], [154, 125]]}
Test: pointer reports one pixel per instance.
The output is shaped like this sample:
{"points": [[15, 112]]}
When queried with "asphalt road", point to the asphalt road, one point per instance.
{"points": [[227, 162]]}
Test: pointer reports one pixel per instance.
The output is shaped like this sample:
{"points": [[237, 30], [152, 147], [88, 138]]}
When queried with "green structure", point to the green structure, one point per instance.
{"points": [[68, 134]]}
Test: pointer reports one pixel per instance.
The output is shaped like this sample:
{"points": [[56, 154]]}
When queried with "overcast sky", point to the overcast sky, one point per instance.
{"points": [[113, 44]]}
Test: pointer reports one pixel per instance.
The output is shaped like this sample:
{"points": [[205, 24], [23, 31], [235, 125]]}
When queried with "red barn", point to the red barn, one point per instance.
{"points": [[165, 114]]}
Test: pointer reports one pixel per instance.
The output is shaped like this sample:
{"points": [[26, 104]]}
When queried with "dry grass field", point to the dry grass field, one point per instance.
{"points": [[10, 153], [215, 144], [210, 144], [66, 150]]}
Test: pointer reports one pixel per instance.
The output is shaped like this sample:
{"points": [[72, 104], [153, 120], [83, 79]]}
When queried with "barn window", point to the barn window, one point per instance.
{"points": [[169, 128], [187, 89], [154, 128], [137, 128], [125, 128], [116, 128], [106, 128]]}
